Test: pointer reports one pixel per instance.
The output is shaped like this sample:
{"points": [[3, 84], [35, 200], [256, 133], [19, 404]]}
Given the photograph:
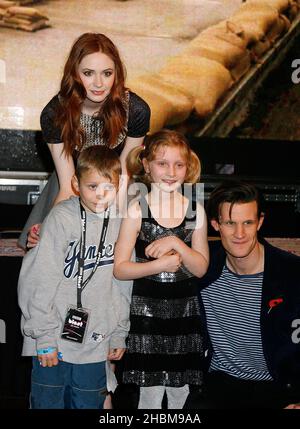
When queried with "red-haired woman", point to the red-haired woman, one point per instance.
{"points": [[92, 107]]}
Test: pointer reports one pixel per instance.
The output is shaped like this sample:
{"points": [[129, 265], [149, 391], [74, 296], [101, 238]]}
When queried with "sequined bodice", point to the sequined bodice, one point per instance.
{"points": [[92, 127], [151, 230]]}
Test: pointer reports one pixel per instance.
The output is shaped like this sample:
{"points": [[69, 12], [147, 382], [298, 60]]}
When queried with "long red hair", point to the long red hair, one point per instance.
{"points": [[72, 93]]}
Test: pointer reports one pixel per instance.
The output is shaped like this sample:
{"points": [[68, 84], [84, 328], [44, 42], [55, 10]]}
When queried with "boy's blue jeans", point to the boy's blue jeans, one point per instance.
{"points": [[67, 385]]}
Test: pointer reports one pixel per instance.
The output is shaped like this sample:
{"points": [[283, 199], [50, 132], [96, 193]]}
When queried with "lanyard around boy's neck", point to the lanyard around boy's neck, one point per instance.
{"points": [[80, 283]]}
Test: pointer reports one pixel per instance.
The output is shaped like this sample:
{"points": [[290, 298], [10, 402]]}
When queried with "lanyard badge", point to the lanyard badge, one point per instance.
{"points": [[77, 318], [75, 325]]}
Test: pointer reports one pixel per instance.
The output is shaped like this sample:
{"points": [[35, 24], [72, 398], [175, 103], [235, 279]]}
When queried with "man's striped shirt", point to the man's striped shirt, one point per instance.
{"points": [[233, 306]]}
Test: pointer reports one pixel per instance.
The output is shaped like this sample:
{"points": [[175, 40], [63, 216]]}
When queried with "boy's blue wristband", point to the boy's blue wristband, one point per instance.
{"points": [[46, 351]]}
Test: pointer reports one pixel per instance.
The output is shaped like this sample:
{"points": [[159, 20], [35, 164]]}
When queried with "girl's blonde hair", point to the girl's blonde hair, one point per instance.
{"points": [[152, 143]]}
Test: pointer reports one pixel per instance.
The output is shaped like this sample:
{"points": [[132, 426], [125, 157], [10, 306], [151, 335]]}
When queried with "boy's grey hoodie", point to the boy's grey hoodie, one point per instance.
{"points": [[48, 285]]}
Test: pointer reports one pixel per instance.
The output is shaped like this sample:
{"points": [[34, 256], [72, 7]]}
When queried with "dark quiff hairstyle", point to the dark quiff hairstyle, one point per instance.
{"points": [[152, 143], [72, 94], [233, 192], [102, 159]]}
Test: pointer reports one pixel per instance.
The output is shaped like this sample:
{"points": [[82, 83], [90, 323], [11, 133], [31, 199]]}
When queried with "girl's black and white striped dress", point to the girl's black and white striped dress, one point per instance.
{"points": [[165, 344]]}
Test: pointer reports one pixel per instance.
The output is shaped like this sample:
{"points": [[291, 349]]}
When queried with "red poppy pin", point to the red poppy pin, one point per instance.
{"points": [[274, 302]]}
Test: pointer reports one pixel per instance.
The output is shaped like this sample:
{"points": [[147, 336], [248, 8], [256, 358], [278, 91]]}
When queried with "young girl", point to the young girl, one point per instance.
{"points": [[93, 107], [165, 347]]}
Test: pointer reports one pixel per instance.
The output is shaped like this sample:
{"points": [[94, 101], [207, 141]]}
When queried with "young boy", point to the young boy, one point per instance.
{"points": [[74, 314]]}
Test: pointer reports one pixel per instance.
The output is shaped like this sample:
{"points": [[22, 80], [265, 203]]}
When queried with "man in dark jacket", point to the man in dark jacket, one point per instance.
{"points": [[251, 300]]}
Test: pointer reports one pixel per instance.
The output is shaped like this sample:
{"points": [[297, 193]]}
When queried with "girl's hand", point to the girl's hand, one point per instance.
{"points": [[49, 359], [170, 263], [161, 247], [115, 354], [33, 235]]}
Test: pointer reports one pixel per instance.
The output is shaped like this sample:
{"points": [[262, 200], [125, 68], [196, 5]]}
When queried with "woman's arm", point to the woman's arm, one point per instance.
{"points": [[65, 169], [138, 125], [130, 143]]}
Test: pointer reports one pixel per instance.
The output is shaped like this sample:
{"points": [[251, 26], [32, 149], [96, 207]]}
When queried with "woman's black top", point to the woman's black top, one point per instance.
{"points": [[137, 124]]}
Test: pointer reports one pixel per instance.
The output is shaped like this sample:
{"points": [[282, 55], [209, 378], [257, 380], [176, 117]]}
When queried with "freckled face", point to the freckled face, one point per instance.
{"points": [[97, 74], [168, 169]]}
